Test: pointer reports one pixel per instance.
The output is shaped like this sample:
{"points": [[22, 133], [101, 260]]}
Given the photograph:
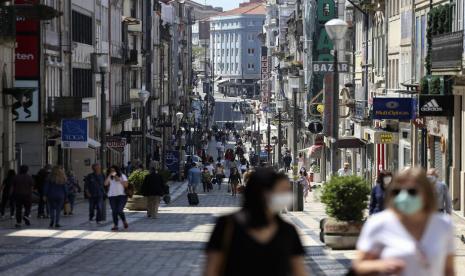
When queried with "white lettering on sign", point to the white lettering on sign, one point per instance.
{"points": [[20, 56]]}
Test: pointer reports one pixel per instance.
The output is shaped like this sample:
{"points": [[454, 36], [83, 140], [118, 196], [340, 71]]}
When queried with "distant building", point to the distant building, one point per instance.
{"points": [[235, 48]]}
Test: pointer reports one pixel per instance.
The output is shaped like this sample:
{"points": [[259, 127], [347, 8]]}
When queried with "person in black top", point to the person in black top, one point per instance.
{"points": [[153, 188], [256, 240], [6, 197]]}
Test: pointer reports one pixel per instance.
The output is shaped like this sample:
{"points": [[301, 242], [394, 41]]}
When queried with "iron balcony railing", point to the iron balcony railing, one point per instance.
{"points": [[121, 112]]}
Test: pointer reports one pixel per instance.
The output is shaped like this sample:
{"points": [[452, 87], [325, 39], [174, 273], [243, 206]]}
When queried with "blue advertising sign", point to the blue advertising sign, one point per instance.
{"points": [[393, 108], [172, 161], [74, 134]]}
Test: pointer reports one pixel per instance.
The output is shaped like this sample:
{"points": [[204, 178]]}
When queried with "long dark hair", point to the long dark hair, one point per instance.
{"points": [[117, 170], [9, 175], [261, 181]]}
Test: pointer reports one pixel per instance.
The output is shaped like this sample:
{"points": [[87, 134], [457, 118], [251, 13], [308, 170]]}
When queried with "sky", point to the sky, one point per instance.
{"points": [[225, 4]]}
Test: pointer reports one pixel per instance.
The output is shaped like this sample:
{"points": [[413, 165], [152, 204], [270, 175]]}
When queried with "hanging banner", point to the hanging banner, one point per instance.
{"points": [[393, 108], [172, 161], [436, 105]]}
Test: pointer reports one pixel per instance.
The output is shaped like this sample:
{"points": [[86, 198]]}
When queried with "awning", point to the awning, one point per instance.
{"points": [[350, 143], [93, 144], [222, 81]]}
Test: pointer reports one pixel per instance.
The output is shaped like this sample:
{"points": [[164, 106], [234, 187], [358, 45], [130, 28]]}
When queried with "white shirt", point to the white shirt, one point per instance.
{"points": [[342, 172], [116, 187], [384, 235]]}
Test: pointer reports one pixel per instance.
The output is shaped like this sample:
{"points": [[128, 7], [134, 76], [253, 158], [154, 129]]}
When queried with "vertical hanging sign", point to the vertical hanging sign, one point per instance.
{"points": [[27, 67]]}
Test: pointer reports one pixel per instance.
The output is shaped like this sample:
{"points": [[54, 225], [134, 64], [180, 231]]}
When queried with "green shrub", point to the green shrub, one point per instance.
{"points": [[137, 179], [346, 198]]}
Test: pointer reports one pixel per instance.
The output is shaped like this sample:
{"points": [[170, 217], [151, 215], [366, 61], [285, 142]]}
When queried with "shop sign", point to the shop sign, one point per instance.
{"points": [[447, 51], [323, 67], [172, 161], [116, 142], [74, 134], [381, 137], [27, 56], [393, 108], [436, 105], [26, 107], [419, 122]]}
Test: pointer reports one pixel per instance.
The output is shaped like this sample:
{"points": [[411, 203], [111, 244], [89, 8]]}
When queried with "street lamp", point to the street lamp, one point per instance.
{"points": [[143, 98], [336, 29], [179, 117], [280, 106], [99, 63]]}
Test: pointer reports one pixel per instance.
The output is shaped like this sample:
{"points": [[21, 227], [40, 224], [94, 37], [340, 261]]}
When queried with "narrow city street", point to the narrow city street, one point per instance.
{"points": [[170, 245]]}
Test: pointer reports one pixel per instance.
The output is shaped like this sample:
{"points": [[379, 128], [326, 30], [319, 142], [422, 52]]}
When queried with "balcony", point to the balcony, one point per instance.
{"points": [[121, 112], [7, 22], [63, 108]]}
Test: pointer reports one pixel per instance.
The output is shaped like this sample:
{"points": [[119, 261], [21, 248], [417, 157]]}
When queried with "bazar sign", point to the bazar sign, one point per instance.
{"points": [[436, 105], [116, 142], [393, 108], [328, 67]]}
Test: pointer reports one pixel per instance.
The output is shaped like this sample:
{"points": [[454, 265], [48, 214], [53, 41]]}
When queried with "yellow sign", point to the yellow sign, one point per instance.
{"points": [[320, 108], [386, 138]]}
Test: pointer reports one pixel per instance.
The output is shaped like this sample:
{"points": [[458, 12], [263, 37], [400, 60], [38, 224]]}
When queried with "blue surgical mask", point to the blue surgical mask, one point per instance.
{"points": [[408, 204]]}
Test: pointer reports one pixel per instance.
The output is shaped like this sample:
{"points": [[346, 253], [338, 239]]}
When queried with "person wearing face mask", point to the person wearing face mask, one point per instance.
{"points": [[409, 238], [377, 193], [442, 192], [256, 240]]}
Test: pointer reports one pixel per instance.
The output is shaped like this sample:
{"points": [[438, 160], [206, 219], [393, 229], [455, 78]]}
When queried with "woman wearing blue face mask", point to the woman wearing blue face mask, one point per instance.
{"points": [[409, 238]]}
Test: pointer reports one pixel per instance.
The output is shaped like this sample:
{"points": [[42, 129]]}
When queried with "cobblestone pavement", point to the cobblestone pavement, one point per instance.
{"points": [[170, 245]]}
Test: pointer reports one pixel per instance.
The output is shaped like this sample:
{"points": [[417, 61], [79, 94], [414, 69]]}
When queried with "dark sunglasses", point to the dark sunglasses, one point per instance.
{"points": [[411, 191]]}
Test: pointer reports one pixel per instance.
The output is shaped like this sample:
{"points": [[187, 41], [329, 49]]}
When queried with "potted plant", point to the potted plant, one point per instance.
{"points": [[346, 199], [137, 202]]}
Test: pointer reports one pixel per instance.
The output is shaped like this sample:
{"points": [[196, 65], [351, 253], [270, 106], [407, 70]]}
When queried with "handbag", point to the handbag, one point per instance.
{"points": [[129, 190], [167, 199]]}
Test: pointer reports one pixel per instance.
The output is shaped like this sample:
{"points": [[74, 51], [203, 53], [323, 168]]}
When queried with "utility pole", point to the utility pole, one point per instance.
{"points": [[103, 120], [280, 138], [294, 135], [335, 134], [268, 134]]}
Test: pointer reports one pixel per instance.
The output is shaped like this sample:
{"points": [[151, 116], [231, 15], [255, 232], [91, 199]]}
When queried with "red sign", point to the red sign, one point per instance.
{"points": [[27, 56], [419, 122], [23, 24]]}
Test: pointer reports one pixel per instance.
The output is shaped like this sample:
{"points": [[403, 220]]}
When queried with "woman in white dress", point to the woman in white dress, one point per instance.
{"points": [[410, 237]]}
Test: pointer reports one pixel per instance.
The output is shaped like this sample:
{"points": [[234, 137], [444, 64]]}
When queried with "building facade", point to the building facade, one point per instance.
{"points": [[235, 48]]}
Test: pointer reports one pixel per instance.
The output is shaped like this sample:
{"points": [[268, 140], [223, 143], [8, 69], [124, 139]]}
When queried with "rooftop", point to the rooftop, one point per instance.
{"points": [[252, 8]]}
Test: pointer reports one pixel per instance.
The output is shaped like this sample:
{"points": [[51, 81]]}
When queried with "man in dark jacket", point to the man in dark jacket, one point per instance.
{"points": [[41, 178], [95, 192], [153, 189], [21, 191]]}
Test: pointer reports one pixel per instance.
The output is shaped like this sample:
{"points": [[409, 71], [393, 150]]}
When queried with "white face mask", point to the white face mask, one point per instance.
{"points": [[280, 201], [387, 180]]}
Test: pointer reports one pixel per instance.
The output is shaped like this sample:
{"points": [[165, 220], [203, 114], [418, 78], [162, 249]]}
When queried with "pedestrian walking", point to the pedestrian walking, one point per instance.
{"points": [[6, 194], [234, 180], [56, 192], [345, 171], [153, 188], [246, 175], [194, 177], [116, 183], [442, 192], [72, 185], [378, 192], [304, 182], [410, 237], [287, 159], [256, 240], [21, 191], [206, 180], [94, 191], [219, 173], [42, 176]]}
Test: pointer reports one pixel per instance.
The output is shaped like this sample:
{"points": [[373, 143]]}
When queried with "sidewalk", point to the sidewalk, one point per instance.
{"points": [[29, 249]]}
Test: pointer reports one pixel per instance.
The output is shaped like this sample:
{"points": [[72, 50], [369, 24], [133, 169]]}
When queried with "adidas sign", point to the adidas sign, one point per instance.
{"points": [[431, 106]]}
